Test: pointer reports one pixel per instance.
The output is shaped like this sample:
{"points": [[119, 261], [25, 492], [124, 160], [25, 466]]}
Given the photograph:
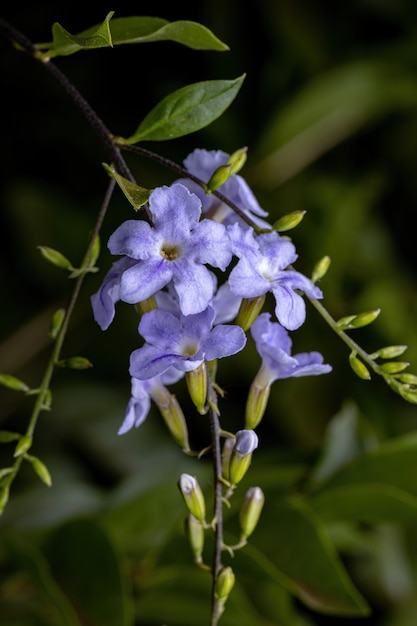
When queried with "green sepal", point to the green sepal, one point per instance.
{"points": [[130, 30], [23, 445], [186, 110], [55, 257], [137, 196], [11, 382]]}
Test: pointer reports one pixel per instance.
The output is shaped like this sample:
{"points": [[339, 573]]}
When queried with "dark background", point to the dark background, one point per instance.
{"points": [[340, 78]]}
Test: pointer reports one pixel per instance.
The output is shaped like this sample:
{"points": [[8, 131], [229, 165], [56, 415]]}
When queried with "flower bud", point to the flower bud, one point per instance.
{"points": [[40, 469], [193, 496], [11, 382], [76, 363], [394, 367], [289, 221], [249, 311], [359, 367], [257, 400], [56, 323], [389, 352], [23, 445], [320, 269], [224, 583], [219, 177], [195, 534], [245, 443], [55, 257], [251, 511], [197, 386], [228, 446], [237, 160], [363, 319], [172, 414]]}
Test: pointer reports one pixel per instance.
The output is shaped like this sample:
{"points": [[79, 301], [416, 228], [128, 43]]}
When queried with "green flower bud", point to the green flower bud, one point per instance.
{"points": [[224, 583], [23, 445], [408, 394], [40, 469], [219, 177], [76, 363], [193, 496], [195, 534], [389, 352], [237, 160], [359, 367], [257, 400], [394, 367], [4, 497], [409, 379], [56, 323], [228, 446], [249, 311], [6, 436], [251, 511], [320, 269], [363, 319], [172, 414], [55, 257], [197, 386], [289, 221], [11, 382]]}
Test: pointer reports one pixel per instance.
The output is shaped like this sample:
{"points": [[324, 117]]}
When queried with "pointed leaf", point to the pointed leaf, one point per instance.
{"points": [[65, 44], [137, 196], [303, 552], [186, 110], [128, 30]]}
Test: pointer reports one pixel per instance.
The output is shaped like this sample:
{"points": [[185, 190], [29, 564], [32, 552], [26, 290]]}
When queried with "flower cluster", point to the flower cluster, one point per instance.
{"points": [[174, 262]]}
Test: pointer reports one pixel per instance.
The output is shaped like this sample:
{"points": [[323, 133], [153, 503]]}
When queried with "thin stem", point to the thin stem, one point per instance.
{"points": [[182, 171], [218, 500]]}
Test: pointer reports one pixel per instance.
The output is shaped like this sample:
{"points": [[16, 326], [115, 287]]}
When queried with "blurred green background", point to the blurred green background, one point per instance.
{"points": [[328, 111]]}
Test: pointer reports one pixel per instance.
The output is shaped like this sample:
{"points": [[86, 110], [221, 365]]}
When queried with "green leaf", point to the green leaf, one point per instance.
{"points": [[392, 463], [87, 567], [303, 552], [129, 30], [366, 503], [64, 43], [186, 110], [137, 196]]}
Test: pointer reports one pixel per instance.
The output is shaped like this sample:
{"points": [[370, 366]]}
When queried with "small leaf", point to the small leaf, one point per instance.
{"points": [[186, 110], [137, 196], [11, 382], [55, 257], [64, 43]]}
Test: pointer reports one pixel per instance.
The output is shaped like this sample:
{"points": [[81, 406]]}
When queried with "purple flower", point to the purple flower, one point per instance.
{"points": [[103, 302], [274, 347], [176, 248], [246, 442], [202, 163], [262, 268], [142, 392], [182, 342]]}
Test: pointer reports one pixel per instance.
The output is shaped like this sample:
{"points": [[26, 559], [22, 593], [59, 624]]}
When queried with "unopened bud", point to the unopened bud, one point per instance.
{"points": [[389, 352], [409, 379], [219, 177], [228, 446], [408, 394], [320, 269], [11, 382], [40, 469], [363, 319], [245, 443], [193, 496], [359, 367], [23, 445], [289, 221], [55, 257], [393, 367], [56, 323], [195, 534], [197, 386], [172, 414], [257, 400], [249, 311], [76, 363], [225, 582], [251, 511], [237, 160], [4, 496]]}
